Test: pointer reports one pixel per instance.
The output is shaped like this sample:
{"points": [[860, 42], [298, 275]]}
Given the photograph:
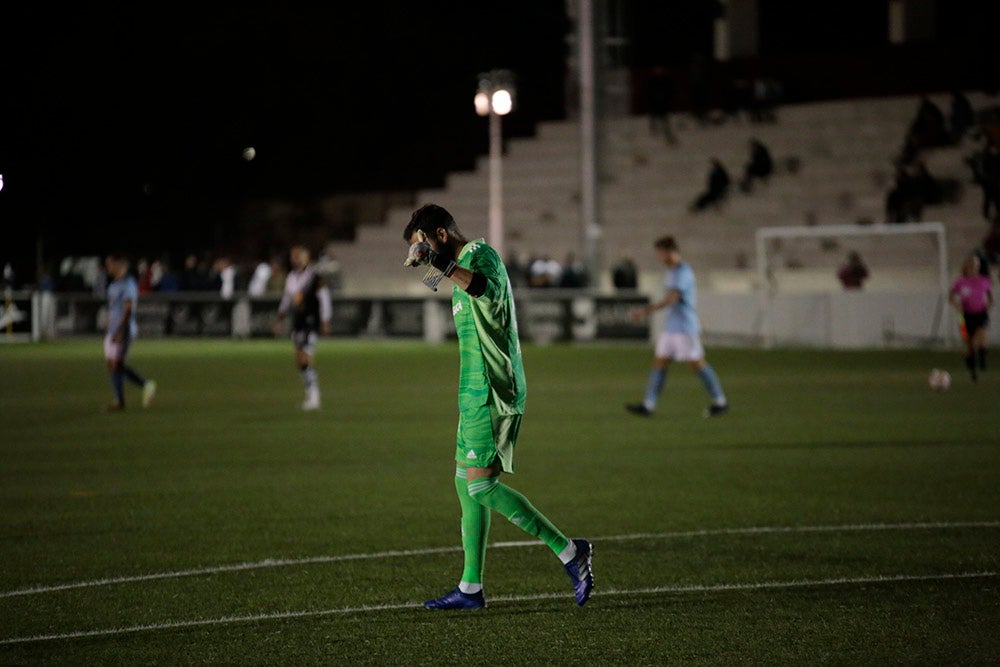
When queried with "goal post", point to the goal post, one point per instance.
{"points": [[935, 229], [802, 302]]}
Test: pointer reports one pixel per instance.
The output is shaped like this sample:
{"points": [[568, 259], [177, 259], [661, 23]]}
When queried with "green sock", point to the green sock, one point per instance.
{"points": [[496, 496], [475, 529]]}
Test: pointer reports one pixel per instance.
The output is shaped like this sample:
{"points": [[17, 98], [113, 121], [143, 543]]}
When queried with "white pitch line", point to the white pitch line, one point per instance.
{"points": [[313, 560], [235, 567], [691, 588]]}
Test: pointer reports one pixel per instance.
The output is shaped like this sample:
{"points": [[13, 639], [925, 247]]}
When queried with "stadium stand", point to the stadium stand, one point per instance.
{"points": [[833, 165]]}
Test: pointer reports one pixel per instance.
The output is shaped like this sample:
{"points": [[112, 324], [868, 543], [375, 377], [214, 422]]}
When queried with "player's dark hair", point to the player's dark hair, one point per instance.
{"points": [[428, 219], [665, 243]]}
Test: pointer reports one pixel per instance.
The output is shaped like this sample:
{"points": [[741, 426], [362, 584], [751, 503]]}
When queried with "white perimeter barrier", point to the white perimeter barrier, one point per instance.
{"points": [[840, 320]]}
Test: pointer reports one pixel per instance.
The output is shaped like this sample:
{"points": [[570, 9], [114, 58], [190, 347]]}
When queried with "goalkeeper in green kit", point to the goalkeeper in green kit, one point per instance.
{"points": [[491, 397]]}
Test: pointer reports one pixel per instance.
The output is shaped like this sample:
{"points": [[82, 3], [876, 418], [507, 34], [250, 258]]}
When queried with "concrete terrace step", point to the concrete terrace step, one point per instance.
{"points": [[844, 148]]}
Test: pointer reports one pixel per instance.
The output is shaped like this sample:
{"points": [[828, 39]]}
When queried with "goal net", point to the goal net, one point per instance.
{"points": [[806, 297]]}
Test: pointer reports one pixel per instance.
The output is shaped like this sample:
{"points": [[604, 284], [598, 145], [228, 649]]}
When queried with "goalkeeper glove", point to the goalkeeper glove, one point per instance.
{"points": [[421, 252]]}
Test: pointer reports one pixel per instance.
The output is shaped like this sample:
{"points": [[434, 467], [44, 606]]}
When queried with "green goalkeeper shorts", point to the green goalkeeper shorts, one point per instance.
{"points": [[484, 436]]}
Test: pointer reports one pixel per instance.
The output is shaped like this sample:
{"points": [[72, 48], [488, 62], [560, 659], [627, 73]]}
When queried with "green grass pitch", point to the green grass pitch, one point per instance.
{"points": [[842, 513]]}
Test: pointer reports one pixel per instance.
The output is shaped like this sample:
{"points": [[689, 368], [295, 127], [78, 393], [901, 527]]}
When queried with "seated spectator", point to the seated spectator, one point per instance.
{"points": [[544, 272], [259, 279], [194, 276], [8, 279], [914, 188], [717, 189], [169, 280], [223, 277], [928, 129], [276, 282], [853, 273], [625, 274], [760, 166], [574, 273], [69, 280], [144, 276]]}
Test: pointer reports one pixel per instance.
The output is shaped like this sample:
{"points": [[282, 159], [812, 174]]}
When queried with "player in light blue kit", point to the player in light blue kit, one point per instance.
{"points": [[680, 339], [123, 294]]}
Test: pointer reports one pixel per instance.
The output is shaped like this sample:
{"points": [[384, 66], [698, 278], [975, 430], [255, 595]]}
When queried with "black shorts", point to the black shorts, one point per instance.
{"points": [[305, 340], [976, 321]]}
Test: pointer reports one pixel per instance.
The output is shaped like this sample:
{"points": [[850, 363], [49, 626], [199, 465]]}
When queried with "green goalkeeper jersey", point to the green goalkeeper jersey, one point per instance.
{"points": [[492, 372]]}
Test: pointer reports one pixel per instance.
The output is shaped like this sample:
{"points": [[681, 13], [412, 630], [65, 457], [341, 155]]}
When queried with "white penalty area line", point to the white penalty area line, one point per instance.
{"points": [[314, 560], [658, 590]]}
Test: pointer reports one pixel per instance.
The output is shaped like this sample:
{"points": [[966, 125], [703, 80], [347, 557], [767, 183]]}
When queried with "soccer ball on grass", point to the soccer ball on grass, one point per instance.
{"points": [[939, 380]]}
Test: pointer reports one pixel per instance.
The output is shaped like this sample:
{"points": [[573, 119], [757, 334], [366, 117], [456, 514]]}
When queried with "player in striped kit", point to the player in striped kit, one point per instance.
{"points": [[307, 299]]}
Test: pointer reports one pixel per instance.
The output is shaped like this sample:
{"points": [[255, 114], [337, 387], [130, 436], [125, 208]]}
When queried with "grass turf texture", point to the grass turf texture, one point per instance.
{"points": [[226, 469]]}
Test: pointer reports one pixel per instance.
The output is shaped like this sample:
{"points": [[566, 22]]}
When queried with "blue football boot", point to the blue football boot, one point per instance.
{"points": [[456, 599], [581, 571]]}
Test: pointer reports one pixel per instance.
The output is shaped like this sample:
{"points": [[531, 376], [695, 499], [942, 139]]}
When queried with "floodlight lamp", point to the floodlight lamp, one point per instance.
{"points": [[502, 102], [482, 102]]}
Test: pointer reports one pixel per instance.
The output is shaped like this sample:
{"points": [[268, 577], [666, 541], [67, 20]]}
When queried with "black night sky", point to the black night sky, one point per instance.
{"points": [[122, 125], [133, 119]]}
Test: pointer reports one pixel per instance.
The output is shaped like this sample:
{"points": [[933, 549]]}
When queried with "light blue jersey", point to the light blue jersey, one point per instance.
{"points": [[682, 316], [120, 292]]}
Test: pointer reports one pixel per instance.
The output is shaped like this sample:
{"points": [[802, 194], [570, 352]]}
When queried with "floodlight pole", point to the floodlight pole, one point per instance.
{"points": [[496, 183], [495, 98], [589, 218]]}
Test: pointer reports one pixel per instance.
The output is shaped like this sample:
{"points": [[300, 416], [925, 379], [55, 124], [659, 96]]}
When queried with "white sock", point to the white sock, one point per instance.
{"points": [[569, 553], [309, 377], [468, 588]]}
